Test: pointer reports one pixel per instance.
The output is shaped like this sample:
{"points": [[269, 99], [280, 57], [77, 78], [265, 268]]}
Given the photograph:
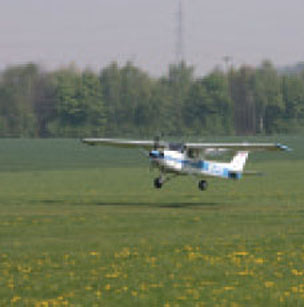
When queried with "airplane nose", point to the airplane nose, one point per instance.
{"points": [[155, 154]]}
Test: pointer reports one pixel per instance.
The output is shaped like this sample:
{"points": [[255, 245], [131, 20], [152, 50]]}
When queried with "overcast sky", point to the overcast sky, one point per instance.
{"points": [[94, 33]]}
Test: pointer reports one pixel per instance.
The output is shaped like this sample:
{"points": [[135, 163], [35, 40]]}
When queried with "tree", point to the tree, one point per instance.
{"points": [[209, 108], [127, 92], [268, 97], [242, 93], [79, 105], [178, 83], [17, 92], [293, 97]]}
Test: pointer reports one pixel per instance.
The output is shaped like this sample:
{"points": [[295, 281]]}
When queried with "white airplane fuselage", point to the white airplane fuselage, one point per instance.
{"points": [[171, 161]]}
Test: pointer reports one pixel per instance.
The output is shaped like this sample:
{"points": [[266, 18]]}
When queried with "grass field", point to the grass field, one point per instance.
{"points": [[83, 226]]}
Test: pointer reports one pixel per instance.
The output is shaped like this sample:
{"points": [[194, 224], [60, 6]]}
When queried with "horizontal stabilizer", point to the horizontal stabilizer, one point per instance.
{"points": [[252, 173]]}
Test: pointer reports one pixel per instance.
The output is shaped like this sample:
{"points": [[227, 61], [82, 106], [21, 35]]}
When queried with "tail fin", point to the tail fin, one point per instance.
{"points": [[239, 160]]}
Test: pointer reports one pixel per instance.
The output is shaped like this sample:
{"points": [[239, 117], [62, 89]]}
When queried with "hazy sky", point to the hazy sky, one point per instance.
{"points": [[95, 32]]}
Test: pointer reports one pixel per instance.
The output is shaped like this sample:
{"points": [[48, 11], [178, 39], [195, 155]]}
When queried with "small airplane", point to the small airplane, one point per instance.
{"points": [[174, 159]]}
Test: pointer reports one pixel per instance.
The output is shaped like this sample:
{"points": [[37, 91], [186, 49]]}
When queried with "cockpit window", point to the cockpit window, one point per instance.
{"points": [[176, 146], [194, 154]]}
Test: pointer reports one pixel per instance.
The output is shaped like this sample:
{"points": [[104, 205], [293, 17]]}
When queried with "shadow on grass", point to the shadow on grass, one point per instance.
{"points": [[174, 205], [158, 205]]}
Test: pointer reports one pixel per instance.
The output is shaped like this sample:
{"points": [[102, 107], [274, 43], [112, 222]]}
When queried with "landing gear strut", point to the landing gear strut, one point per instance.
{"points": [[203, 185]]}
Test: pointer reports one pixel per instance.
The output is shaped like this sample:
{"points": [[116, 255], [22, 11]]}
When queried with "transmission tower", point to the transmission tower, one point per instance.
{"points": [[180, 50]]}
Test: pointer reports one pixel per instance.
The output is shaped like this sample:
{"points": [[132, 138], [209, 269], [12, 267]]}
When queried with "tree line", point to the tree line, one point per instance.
{"points": [[126, 101]]}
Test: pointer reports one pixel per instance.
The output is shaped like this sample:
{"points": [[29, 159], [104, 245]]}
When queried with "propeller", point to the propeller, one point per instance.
{"points": [[158, 147], [156, 142]]}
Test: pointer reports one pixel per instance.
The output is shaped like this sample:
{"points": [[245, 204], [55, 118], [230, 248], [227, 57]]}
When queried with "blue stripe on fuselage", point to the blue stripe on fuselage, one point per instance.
{"points": [[204, 166]]}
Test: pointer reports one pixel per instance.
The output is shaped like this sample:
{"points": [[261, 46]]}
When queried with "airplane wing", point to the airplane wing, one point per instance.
{"points": [[237, 146], [207, 147], [121, 143]]}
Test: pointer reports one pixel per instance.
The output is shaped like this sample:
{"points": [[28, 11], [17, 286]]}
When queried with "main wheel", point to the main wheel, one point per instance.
{"points": [[158, 183], [203, 185]]}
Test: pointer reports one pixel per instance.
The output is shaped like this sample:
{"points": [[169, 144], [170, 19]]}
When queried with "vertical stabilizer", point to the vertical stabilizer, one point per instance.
{"points": [[239, 160]]}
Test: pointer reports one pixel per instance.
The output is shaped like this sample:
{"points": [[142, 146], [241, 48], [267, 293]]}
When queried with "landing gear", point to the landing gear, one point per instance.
{"points": [[158, 182], [203, 185]]}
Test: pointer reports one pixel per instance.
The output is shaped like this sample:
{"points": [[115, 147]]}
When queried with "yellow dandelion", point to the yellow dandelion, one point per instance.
{"points": [[229, 288], [15, 299], [112, 275], [296, 272], [189, 291], [125, 288], [108, 287], [11, 285], [125, 253], [294, 289], [268, 284], [244, 273], [143, 287], [259, 260], [94, 254], [134, 293], [27, 270], [193, 256]]}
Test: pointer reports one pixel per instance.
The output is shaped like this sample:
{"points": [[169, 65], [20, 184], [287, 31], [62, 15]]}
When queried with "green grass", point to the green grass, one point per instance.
{"points": [[83, 226]]}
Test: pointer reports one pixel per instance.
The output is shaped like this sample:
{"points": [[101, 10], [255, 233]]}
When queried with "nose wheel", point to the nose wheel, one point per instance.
{"points": [[163, 178], [203, 185], [158, 182]]}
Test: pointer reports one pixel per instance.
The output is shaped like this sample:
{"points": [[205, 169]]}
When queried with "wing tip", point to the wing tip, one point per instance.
{"points": [[283, 147], [87, 141]]}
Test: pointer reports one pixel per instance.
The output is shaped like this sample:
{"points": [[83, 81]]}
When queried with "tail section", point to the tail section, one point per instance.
{"points": [[239, 160]]}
